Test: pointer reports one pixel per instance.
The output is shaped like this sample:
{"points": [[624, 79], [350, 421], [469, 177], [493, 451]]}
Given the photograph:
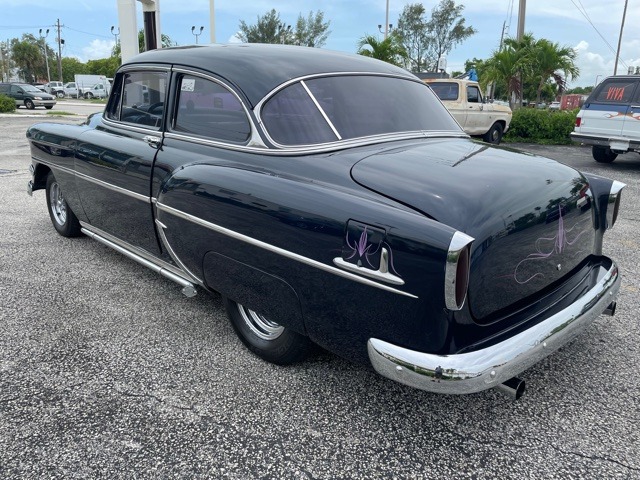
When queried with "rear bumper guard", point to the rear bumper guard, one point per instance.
{"points": [[489, 367]]}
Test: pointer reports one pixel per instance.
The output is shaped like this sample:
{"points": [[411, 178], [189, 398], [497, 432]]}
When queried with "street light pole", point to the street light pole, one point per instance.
{"points": [[46, 58], [193, 30], [115, 34]]}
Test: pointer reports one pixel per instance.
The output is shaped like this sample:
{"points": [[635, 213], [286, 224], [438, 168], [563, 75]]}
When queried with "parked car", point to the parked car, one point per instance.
{"points": [[464, 100], [554, 106], [332, 199], [27, 95], [99, 90], [608, 120], [55, 88], [71, 90]]}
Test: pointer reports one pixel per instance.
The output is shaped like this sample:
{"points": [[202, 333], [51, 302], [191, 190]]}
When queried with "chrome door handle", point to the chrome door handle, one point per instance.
{"points": [[152, 140]]}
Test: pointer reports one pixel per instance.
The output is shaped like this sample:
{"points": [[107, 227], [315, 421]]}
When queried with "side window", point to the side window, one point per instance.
{"points": [[138, 99], [15, 89], [616, 91], [207, 109], [473, 94]]}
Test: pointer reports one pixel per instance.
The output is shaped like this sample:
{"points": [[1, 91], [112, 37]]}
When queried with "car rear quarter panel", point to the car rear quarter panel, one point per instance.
{"points": [[306, 219]]}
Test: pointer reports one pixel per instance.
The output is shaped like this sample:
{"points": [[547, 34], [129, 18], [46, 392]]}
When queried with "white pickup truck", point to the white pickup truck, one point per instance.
{"points": [[463, 99]]}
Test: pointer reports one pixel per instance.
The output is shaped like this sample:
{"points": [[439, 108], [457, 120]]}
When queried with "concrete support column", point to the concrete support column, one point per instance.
{"points": [[128, 29]]}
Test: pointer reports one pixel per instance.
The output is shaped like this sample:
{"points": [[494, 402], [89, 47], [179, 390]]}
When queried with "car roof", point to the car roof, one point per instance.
{"points": [[257, 69]]}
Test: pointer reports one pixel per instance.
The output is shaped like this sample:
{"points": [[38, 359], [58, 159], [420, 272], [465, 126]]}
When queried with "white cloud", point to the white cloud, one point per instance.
{"points": [[98, 49]]}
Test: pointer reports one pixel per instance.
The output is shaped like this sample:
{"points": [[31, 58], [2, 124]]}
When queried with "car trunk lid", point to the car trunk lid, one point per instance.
{"points": [[530, 216]]}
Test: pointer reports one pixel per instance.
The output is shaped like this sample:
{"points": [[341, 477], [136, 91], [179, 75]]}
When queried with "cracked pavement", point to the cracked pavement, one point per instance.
{"points": [[108, 371]]}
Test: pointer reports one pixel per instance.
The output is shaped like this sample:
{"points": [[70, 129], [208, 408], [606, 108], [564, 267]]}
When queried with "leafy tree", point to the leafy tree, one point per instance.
{"points": [[72, 66], [28, 56], [312, 31], [412, 32], [389, 50], [268, 29], [446, 30], [103, 66]]}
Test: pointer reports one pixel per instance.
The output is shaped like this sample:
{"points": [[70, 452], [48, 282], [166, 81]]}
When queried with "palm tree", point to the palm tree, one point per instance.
{"points": [[389, 50], [548, 60], [504, 68]]}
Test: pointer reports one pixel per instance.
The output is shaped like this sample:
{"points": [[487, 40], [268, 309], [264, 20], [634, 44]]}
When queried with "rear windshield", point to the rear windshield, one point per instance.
{"points": [[328, 109], [445, 90], [615, 91]]}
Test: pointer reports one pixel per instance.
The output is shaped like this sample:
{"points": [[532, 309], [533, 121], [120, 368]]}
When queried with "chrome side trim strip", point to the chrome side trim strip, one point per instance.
{"points": [[277, 250], [172, 254], [109, 186], [381, 275], [491, 366], [188, 288]]}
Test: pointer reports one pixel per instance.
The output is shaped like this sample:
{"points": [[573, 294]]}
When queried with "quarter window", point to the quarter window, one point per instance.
{"points": [[138, 98], [207, 109]]}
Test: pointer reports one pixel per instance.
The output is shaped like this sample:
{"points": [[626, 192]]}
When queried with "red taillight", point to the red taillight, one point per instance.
{"points": [[457, 271], [578, 121]]}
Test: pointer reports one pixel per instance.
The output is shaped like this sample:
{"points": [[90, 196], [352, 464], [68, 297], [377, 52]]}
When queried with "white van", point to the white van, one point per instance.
{"points": [[610, 118]]}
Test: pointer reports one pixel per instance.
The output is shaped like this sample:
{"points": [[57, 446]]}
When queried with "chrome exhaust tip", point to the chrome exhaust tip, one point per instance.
{"points": [[514, 387], [610, 310]]}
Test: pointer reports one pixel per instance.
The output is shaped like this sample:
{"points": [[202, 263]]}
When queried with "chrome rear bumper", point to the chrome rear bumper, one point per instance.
{"points": [[487, 368]]}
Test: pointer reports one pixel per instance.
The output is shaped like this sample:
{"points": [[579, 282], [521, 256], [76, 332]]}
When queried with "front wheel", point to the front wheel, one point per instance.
{"points": [[264, 337], [603, 154], [29, 104], [494, 135], [48, 107], [64, 220]]}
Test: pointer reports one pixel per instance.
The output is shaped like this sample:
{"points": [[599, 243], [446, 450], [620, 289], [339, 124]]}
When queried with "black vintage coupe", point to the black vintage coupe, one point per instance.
{"points": [[331, 199]]}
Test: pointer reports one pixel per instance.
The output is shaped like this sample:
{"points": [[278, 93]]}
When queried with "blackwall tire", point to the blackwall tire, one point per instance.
{"points": [[603, 154], [29, 104], [494, 135], [64, 220], [267, 339]]}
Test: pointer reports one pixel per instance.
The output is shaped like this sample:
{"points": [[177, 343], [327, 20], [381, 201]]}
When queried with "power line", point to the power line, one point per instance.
{"points": [[584, 13], [86, 33]]}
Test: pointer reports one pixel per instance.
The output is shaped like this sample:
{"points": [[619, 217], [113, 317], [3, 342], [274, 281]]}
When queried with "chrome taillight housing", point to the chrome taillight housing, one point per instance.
{"points": [[613, 203], [456, 277]]}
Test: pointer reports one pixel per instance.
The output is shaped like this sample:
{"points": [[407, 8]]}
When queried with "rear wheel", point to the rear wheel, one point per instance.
{"points": [[88, 95], [60, 94], [266, 338], [29, 104], [494, 135], [603, 154], [48, 107], [64, 220]]}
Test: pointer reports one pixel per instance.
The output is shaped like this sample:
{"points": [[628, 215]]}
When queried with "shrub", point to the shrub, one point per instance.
{"points": [[532, 125], [7, 104]]}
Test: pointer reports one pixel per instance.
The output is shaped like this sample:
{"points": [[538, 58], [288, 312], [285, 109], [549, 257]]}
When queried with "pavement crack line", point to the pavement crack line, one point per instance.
{"points": [[596, 458]]}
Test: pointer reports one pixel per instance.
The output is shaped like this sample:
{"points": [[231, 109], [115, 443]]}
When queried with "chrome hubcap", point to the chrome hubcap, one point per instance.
{"points": [[258, 324], [58, 205]]}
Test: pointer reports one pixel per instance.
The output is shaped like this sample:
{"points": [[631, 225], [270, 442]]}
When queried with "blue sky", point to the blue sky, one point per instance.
{"points": [[87, 25]]}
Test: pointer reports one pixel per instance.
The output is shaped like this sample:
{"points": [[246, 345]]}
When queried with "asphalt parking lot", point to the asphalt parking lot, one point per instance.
{"points": [[108, 371]]}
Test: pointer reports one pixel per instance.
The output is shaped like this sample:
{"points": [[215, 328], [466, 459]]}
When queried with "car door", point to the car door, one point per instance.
{"points": [[114, 161], [18, 94], [475, 115]]}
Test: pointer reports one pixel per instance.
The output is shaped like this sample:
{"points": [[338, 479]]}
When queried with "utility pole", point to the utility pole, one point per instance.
{"points": [[522, 7], [59, 51], [212, 22], [3, 61], [624, 14]]}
